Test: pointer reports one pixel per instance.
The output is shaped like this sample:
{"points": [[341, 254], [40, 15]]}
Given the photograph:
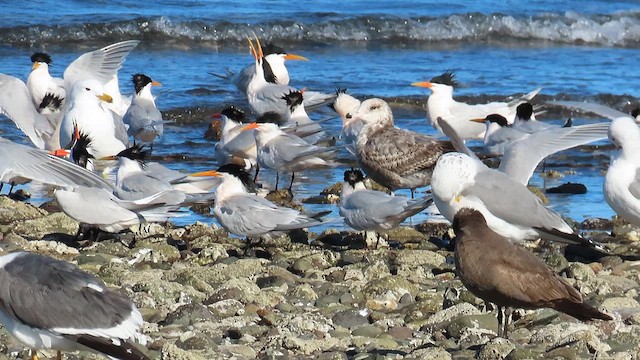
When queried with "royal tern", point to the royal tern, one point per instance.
{"points": [[143, 117], [245, 214], [509, 208], [274, 65], [622, 182], [99, 207], [86, 112], [284, 152], [135, 183], [235, 144], [498, 271], [299, 120], [372, 210], [441, 104], [42, 86], [265, 96], [395, 158], [51, 304]]}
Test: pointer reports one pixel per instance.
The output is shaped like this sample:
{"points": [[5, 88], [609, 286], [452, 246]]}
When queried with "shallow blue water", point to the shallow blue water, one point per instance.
{"points": [[370, 48]]}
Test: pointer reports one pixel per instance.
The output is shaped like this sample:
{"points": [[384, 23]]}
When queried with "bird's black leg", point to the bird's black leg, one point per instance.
{"points": [[11, 188], [255, 178], [507, 315], [293, 175], [500, 318], [277, 180]]}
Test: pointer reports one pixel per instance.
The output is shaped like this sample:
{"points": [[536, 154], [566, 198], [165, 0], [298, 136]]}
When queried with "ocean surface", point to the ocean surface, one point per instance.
{"points": [[573, 49]]}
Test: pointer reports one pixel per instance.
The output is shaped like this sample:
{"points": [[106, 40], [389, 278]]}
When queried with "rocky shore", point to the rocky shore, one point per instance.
{"points": [[205, 295]]}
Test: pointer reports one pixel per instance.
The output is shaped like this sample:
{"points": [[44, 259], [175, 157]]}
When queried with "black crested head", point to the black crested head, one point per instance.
{"points": [[269, 76], [41, 57], [51, 101], [241, 173], [293, 99], [341, 91], [353, 176], [524, 111], [80, 150], [234, 114], [467, 217], [448, 78], [498, 119], [136, 152], [140, 81], [270, 117], [271, 48], [635, 112]]}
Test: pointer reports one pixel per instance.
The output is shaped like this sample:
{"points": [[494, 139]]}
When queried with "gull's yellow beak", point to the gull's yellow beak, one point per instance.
{"points": [[106, 98], [424, 84], [295, 57]]}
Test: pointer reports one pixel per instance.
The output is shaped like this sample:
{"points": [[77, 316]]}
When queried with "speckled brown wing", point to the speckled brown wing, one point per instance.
{"points": [[403, 152]]}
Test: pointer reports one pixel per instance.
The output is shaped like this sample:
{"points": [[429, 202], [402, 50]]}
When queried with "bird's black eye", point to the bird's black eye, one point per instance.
{"points": [[87, 89], [373, 107]]}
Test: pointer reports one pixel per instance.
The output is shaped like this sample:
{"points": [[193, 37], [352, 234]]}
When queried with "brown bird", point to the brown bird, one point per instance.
{"points": [[496, 270], [395, 158]]}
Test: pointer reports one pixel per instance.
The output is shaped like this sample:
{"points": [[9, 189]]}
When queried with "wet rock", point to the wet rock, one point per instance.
{"points": [[596, 224], [370, 331], [404, 234], [49, 224], [448, 314], [349, 319], [433, 353], [556, 262], [304, 291], [414, 258], [433, 229], [400, 332], [613, 304], [496, 349], [226, 308], [11, 210], [485, 323], [568, 188], [580, 272]]}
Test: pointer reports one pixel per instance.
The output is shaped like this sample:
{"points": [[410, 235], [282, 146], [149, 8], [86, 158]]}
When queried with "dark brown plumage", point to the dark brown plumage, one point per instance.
{"points": [[497, 271], [395, 158]]}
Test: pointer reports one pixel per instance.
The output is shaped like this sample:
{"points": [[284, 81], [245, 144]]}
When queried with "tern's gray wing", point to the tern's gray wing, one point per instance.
{"points": [[142, 114], [315, 99], [456, 141], [403, 152], [38, 165], [270, 98], [290, 147], [241, 145], [120, 129], [597, 109], [140, 185], [253, 215], [512, 201], [163, 173], [242, 79], [101, 64], [371, 207], [15, 103], [523, 156]]}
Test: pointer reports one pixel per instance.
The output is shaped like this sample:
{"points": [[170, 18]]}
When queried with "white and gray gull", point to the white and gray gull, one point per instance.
{"points": [[51, 304]]}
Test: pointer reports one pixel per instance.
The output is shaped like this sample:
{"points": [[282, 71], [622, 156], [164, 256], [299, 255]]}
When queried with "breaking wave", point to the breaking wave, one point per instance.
{"points": [[618, 29]]}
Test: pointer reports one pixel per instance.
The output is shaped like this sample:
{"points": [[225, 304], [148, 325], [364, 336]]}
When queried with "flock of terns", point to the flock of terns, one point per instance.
{"points": [[81, 124]]}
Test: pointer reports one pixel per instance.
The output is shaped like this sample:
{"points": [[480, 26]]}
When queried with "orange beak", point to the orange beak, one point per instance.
{"points": [[205, 173], [424, 84], [155, 83], [250, 126], [60, 152], [111, 157], [295, 57], [35, 65], [478, 120]]}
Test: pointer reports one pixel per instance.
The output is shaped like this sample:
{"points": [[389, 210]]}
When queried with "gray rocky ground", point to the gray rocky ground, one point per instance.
{"points": [[205, 295]]}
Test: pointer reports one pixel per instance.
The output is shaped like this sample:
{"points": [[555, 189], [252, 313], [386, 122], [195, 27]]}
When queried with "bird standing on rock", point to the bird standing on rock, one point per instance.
{"points": [[498, 271]]}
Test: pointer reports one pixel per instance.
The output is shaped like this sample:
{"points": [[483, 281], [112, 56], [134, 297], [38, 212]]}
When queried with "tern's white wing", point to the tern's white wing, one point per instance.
{"points": [[38, 165], [597, 109], [16, 104], [523, 156], [101, 64]]}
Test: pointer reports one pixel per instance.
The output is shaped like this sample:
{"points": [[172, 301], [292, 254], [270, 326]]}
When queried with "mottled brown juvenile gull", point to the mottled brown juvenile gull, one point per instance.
{"points": [[395, 158], [498, 271], [51, 304]]}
